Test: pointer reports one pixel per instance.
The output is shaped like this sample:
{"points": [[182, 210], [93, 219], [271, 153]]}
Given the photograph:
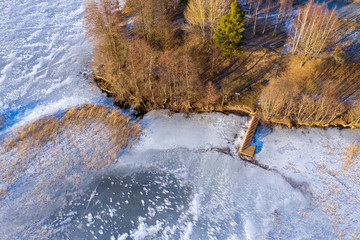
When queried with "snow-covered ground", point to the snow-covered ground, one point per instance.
{"points": [[184, 179], [187, 182], [41, 59], [314, 159]]}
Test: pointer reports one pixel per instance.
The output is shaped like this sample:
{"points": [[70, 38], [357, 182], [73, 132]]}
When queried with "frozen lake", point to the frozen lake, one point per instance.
{"points": [[183, 179], [42, 58]]}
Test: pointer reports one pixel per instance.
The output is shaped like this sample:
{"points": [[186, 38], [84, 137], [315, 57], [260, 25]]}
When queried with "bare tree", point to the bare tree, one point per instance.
{"points": [[313, 30], [206, 14], [211, 96], [215, 10], [179, 79], [152, 20], [285, 6], [257, 8], [267, 10], [195, 14], [102, 21], [140, 69]]}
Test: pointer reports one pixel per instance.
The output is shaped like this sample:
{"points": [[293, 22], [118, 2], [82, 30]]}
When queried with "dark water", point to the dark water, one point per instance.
{"points": [[144, 204]]}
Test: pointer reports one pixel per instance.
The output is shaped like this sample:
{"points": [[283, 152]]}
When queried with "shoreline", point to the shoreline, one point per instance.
{"points": [[235, 110]]}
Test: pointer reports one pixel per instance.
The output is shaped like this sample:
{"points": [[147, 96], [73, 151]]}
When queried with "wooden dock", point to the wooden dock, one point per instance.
{"points": [[246, 148]]}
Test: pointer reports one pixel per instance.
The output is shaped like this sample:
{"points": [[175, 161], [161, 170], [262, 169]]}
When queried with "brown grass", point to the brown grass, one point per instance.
{"points": [[352, 152], [316, 94], [54, 156], [59, 137], [240, 81], [339, 193], [2, 191]]}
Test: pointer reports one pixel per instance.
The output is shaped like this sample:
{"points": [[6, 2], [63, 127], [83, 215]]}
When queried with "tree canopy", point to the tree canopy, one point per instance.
{"points": [[229, 33]]}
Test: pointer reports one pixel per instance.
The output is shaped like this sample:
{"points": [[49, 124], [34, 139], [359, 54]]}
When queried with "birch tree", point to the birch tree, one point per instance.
{"points": [[257, 8], [313, 30], [215, 10], [285, 6], [195, 15], [205, 15], [268, 4]]}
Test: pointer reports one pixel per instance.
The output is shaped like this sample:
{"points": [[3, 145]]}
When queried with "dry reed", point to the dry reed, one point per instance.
{"points": [[53, 156], [352, 152], [58, 142]]}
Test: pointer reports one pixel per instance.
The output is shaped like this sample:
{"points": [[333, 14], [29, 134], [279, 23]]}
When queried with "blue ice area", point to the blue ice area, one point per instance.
{"points": [[261, 132]]}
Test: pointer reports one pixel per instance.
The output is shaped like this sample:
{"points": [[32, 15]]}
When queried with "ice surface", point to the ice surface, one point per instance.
{"points": [[184, 179], [314, 158], [227, 198], [42, 59], [190, 187]]}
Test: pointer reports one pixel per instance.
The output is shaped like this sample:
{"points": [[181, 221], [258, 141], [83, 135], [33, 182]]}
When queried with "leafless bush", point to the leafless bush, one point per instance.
{"points": [[286, 102], [354, 115], [273, 101]]}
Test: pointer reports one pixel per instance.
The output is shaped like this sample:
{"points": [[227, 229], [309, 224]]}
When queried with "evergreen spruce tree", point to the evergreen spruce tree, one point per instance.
{"points": [[229, 33]]}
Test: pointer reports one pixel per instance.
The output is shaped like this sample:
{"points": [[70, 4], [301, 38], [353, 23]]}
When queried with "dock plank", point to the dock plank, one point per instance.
{"points": [[247, 149]]}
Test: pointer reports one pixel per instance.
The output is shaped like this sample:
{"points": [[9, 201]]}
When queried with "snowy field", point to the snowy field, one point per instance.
{"points": [[184, 179]]}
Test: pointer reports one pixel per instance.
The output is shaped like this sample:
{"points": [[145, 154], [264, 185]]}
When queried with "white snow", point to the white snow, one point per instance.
{"points": [[259, 203], [303, 192], [144, 231], [206, 130], [314, 157], [42, 56], [122, 236]]}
